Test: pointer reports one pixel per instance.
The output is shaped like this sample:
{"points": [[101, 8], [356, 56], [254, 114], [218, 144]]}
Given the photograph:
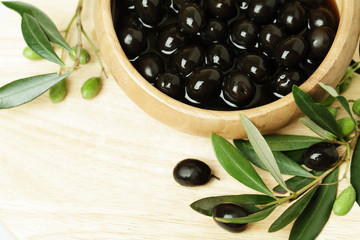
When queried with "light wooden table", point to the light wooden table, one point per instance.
{"points": [[102, 169]]}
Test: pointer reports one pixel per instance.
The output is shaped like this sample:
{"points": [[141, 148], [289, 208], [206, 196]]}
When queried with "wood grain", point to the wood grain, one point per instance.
{"points": [[102, 169]]}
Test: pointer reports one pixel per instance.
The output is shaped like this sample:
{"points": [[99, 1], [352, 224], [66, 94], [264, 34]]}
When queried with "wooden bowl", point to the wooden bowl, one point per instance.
{"points": [[202, 122]]}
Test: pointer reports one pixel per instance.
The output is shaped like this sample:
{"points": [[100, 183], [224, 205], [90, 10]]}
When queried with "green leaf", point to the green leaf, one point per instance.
{"points": [[24, 90], [355, 171], [37, 40], [316, 112], [255, 217], [45, 22], [295, 155], [247, 201], [289, 142], [237, 166], [262, 149], [316, 129], [296, 183], [286, 165], [312, 220], [292, 212]]}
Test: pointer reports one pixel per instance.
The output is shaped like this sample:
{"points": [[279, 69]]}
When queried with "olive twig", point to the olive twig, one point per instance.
{"points": [[79, 26]]}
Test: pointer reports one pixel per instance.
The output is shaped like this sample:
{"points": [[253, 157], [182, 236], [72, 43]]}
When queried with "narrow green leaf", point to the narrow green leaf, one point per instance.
{"points": [[289, 142], [247, 201], [316, 112], [355, 171], [295, 155], [237, 166], [316, 129], [45, 22], [312, 220], [286, 165], [296, 183], [24, 90], [262, 149], [255, 217], [292, 212]]}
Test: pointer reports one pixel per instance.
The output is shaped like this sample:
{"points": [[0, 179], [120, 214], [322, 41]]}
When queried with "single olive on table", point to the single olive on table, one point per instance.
{"points": [[225, 55]]}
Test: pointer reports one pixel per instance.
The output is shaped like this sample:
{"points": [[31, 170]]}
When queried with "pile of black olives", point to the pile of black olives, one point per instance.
{"points": [[225, 54]]}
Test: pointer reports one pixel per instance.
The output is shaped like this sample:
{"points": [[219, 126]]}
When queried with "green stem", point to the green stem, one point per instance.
{"points": [[79, 42]]}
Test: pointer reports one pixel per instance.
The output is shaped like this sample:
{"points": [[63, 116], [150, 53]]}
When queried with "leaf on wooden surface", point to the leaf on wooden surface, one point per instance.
{"points": [[316, 129], [355, 171], [237, 166]]}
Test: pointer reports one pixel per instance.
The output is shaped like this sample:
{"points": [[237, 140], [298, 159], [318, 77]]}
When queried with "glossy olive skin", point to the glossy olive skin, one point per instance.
{"points": [[150, 65], [191, 18], [230, 210], [223, 9], [179, 3], [291, 51], [192, 172], [255, 66], [220, 55], [269, 37], [187, 59], [320, 156], [133, 41], [204, 84], [215, 30], [284, 81], [243, 34], [243, 4], [238, 89], [170, 39], [320, 40], [262, 12], [322, 17], [150, 12], [172, 84], [292, 17]]}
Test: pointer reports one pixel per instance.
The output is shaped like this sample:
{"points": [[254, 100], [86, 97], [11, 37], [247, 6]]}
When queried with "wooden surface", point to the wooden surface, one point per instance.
{"points": [[102, 169]]}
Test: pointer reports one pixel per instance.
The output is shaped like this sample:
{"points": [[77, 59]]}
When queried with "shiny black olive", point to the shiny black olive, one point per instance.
{"points": [[170, 39], [204, 84], [191, 18], [133, 41], [230, 210], [150, 65], [322, 17], [320, 40], [192, 172], [269, 37], [243, 4], [243, 34], [292, 17], [172, 84], [291, 51], [262, 12], [150, 12], [187, 59], [238, 89], [224, 9], [255, 66], [179, 3], [220, 55], [215, 30], [308, 66], [284, 81], [320, 156]]}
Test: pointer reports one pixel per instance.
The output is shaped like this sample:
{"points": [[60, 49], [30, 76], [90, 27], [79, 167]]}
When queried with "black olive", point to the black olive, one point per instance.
{"points": [[269, 37], [150, 65], [133, 41], [262, 12], [150, 12], [187, 59], [292, 17], [170, 39], [171, 84], [204, 84], [322, 17], [230, 210], [291, 51], [320, 40], [191, 18], [255, 66], [310, 3], [285, 80], [243, 4], [224, 9], [238, 89], [243, 34], [320, 156], [215, 30], [179, 3], [192, 172], [220, 55]]}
